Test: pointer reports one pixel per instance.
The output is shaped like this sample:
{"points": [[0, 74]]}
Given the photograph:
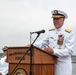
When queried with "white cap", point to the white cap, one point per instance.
{"points": [[59, 14], [5, 48]]}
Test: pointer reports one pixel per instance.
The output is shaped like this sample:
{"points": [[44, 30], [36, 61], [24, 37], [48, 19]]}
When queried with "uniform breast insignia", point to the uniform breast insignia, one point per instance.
{"points": [[68, 30], [52, 29], [60, 40]]}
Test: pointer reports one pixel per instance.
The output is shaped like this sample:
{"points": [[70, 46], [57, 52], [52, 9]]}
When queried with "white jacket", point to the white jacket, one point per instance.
{"points": [[63, 52], [3, 66]]}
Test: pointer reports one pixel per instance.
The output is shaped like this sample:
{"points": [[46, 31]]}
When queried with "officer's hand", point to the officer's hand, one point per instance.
{"points": [[28, 45], [48, 50], [0, 73], [5, 60]]}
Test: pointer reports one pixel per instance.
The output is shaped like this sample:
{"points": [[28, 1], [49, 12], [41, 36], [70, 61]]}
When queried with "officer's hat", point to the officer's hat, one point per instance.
{"points": [[5, 48], [59, 14]]}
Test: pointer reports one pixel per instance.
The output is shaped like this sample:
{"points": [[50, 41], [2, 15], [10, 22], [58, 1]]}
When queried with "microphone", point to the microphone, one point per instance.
{"points": [[39, 32]]}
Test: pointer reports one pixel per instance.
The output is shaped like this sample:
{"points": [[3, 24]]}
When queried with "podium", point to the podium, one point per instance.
{"points": [[43, 63]]}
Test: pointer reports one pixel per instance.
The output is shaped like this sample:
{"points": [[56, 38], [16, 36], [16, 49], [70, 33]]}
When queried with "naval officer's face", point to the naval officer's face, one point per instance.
{"points": [[58, 22]]}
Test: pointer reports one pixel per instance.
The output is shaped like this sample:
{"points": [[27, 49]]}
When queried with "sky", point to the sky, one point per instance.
{"points": [[20, 17]]}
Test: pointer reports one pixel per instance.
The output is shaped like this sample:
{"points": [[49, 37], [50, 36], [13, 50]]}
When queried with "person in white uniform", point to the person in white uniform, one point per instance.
{"points": [[60, 42], [3, 63]]}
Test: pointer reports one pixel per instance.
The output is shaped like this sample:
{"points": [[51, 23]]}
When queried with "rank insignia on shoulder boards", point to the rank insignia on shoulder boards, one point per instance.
{"points": [[68, 30], [51, 29]]}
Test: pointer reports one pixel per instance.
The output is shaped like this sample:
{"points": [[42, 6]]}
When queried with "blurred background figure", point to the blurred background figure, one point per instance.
{"points": [[3, 62]]}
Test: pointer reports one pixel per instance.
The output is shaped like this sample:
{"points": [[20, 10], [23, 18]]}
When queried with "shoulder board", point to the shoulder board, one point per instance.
{"points": [[68, 30], [52, 29]]}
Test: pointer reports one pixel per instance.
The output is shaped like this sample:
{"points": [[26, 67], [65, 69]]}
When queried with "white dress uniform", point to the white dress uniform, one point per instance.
{"points": [[3, 66], [62, 42]]}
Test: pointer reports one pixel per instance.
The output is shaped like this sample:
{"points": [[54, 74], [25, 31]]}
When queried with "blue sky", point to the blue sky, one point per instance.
{"points": [[20, 17]]}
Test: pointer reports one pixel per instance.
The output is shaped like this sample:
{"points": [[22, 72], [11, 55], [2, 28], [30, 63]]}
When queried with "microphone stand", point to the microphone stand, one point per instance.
{"points": [[29, 49]]}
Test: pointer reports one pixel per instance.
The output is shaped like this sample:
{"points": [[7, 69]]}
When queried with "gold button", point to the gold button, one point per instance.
{"points": [[56, 32]]}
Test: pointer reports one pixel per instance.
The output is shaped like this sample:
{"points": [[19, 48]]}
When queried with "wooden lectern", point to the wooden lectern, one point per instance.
{"points": [[42, 62]]}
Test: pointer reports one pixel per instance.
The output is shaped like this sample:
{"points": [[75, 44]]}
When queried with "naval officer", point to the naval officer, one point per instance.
{"points": [[60, 42], [3, 62]]}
